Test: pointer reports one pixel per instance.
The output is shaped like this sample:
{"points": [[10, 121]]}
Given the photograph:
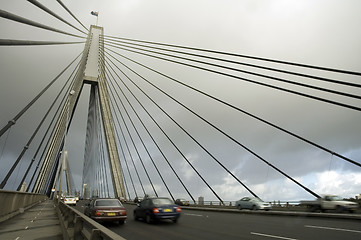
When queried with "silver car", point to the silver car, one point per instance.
{"points": [[253, 204]]}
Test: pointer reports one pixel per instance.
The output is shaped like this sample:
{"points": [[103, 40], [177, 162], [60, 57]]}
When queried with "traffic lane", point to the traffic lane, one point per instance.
{"points": [[188, 227], [291, 227], [217, 225]]}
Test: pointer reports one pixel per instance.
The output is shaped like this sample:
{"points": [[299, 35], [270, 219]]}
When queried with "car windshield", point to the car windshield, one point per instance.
{"points": [[336, 198], [108, 203], [162, 201], [256, 200]]}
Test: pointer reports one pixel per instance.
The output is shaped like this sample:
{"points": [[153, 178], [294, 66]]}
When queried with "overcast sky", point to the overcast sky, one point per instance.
{"points": [[323, 33]]}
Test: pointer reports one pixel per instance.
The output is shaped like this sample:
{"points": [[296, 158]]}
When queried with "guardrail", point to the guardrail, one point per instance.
{"points": [[276, 205], [13, 203], [276, 212], [233, 203], [75, 225]]}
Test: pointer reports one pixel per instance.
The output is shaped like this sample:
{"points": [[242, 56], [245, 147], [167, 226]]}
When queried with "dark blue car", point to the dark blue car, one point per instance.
{"points": [[152, 209]]}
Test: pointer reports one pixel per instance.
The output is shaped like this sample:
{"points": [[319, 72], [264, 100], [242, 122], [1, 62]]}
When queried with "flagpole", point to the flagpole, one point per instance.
{"points": [[95, 14]]}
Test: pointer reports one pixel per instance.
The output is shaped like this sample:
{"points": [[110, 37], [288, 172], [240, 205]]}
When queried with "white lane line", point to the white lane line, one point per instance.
{"points": [[26, 227], [17, 238], [191, 214], [336, 229], [272, 236]]}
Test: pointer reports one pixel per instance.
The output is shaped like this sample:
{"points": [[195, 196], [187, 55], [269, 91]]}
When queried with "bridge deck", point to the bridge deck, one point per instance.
{"points": [[38, 222]]}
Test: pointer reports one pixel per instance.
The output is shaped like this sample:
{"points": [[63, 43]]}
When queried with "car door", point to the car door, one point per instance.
{"points": [[245, 202], [142, 208], [327, 203]]}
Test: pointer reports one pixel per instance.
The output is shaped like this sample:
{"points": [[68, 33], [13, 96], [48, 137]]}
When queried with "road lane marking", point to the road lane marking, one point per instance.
{"points": [[191, 214], [17, 238], [336, 229], [26, 227], [272, 236]]}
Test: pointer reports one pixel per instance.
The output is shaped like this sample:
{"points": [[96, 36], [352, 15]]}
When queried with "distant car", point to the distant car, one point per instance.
{"points": [[253, 204], [182, 202], [138, 199], [106, 210], [330, 202], [70, 200], [151, 209]]}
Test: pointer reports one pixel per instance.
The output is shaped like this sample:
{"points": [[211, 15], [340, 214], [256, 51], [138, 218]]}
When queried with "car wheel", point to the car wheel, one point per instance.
{"points": [[148, 219], [254, 207], [135, 216], [175, 220], [121, 222], [239, 207]]}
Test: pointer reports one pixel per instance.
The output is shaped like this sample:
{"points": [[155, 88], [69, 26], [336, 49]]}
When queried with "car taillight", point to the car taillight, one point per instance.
{"points": [[155, 210], [178, 209], [97, 213]]}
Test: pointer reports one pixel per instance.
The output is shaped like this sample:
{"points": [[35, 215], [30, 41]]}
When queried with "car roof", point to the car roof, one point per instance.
{"points": [[253, 198]]}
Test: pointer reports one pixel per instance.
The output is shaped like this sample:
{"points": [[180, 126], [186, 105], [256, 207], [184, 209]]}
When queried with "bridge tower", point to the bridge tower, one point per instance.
{"points": [[91, 71]]}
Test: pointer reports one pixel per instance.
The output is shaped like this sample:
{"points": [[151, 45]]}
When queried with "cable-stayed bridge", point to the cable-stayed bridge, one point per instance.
{"points": [[175, 120]]}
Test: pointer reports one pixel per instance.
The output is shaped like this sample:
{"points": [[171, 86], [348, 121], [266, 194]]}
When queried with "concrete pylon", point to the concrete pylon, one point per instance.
{"points": [[91, 71]]}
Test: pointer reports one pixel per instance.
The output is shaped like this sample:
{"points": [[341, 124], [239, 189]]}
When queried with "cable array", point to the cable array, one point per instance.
{"points": [[129, 47], [46, 175], [154, 137]]}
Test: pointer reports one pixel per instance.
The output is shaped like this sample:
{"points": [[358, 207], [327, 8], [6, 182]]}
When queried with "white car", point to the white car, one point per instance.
{"points": [[253, 204], [330, 202], [70, 200]]}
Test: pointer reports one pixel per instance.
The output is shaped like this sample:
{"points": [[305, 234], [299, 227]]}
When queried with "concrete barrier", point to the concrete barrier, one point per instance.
{"points": [[12, 203], [278, 213], [75, 225]]}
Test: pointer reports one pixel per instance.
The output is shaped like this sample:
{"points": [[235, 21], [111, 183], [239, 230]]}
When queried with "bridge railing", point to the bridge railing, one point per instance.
{"points": [[75, 225], [13, 203], [233, 203]]}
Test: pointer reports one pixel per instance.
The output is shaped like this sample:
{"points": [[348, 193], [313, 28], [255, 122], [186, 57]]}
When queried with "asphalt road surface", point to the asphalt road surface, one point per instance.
{"points": [[218, 225]]}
